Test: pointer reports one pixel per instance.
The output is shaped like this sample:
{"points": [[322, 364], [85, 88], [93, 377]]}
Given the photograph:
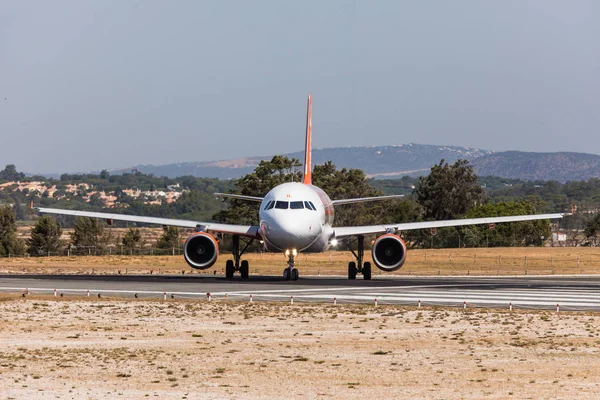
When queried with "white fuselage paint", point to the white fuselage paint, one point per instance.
{"points": [[303, 229]]}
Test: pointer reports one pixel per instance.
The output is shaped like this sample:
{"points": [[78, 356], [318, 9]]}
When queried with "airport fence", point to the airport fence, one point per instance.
{"points": [[105, 251], [505, 264], [481, 261]]}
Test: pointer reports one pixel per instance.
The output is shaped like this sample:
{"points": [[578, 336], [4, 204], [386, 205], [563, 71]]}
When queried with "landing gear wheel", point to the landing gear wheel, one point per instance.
{"points": [[351, 270], [295, 274], [229, 269], [367, 271], [244, 269], [286, 274]]}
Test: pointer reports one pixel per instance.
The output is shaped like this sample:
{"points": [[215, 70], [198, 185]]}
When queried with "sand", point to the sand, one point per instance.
{"points": [[131, 349]]}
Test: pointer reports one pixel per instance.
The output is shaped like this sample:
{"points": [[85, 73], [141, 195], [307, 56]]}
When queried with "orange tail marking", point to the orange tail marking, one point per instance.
{"points": [[307, 180]]}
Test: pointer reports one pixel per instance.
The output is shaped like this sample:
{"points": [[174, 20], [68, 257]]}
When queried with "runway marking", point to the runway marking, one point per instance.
{"points": [[223, 293], [345, 288], [214, 294], [554, 298], [59, 290], [454, 295], [491, 294], [418, 293], [437, 301]]}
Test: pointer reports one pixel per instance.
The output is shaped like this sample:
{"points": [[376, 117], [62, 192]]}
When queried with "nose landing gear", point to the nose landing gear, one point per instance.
{"points": [[291, 273]]}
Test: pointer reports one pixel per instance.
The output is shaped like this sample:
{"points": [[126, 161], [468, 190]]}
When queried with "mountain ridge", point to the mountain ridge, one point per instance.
{"points": [[374, 160], [407, 159]]}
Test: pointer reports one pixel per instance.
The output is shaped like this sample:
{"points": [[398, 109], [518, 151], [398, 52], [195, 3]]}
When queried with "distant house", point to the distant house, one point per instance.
{"points": [[559, 237], [109, 200]]}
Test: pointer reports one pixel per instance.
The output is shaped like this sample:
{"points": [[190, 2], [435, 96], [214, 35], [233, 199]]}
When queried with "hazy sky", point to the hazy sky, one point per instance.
{"points": [[86, 85]]}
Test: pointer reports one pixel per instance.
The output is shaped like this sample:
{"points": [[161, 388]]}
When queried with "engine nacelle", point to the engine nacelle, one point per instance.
{"points": [[201, 250], [389, 252]]}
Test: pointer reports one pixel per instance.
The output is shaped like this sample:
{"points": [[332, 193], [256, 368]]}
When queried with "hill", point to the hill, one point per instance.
{"points": [[376, 161], [562, 166], [407, 159]]}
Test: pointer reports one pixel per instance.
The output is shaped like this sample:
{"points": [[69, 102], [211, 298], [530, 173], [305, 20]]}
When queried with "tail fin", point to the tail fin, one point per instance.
{"points": [[307, 180]]}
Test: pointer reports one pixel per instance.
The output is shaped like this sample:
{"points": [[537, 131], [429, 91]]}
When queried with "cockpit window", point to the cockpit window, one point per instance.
{"points": [[282, 205], [269, 205], [296, 205], [312, 205], [306, 205]]}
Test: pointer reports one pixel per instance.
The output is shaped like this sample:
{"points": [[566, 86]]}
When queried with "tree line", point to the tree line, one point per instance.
{"points": [[449, 191], [88, 233]]}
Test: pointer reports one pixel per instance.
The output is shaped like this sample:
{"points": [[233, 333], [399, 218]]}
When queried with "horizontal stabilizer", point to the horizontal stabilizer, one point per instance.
{"points": [[239, 197], [365, 199]]}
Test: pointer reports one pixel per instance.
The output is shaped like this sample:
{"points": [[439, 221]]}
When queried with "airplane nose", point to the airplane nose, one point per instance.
{"points": [[293, 234]]}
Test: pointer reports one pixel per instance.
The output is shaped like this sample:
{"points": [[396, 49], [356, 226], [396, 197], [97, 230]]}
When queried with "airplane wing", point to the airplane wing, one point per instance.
{"points": [[344, 231], [242, 230], [239, 197], [364, 199]]}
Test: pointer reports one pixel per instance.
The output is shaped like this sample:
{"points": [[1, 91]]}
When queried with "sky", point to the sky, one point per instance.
{"points": [[95, 84]]}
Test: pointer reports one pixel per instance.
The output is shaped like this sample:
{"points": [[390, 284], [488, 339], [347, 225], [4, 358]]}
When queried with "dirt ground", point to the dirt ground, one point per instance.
{"points": [[106, 349], [496, 261]]}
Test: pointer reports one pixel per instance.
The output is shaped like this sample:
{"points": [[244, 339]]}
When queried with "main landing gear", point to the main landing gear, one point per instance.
{"points": [[291, 273], [231, 266], [359, 266]]}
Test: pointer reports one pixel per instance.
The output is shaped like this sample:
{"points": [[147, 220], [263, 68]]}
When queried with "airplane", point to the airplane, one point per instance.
{"points": [[297, 217]]}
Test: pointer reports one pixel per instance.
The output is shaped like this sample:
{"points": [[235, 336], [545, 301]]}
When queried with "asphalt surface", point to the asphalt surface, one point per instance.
{"points": [[522, 292]]}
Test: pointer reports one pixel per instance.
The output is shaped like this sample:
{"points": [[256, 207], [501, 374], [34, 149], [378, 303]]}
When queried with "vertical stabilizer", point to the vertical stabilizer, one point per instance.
{"points": [[307, 179]]}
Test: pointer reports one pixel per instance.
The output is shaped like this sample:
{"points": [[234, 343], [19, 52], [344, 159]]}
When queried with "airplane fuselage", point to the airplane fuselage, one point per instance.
{"points": [[296, 216]]}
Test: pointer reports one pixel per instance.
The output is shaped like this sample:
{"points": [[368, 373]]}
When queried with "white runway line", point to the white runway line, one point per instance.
{"points": [[438, 300], [519, 298], [347, 288], [499, 295], [160, 292]]}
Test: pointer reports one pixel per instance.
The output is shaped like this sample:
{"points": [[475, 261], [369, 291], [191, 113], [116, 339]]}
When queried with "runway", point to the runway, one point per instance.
{"points": [[522, 292]]}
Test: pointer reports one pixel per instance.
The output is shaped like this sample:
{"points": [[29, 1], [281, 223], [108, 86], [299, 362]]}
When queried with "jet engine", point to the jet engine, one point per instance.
{"points": [[389, 252], [201, 250]]}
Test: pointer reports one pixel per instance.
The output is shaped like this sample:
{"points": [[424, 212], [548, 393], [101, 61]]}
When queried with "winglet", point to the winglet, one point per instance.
{"points": [[307, 180]]}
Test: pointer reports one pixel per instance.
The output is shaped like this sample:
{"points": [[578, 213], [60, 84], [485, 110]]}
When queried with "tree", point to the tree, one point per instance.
{"points": [[132, 239], [10, 173], [45, 237], [96, 201], [503, 235], [265, 177], [17, 208], [405, 210], [10, 244], [90, 233], [449, 191], [348, 184], [592, 230], [170, 239], [338, 184]]}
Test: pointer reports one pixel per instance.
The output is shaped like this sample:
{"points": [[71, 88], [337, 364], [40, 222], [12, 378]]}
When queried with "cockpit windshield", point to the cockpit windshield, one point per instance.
{"points": [[282, 205], [291, 205]]}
